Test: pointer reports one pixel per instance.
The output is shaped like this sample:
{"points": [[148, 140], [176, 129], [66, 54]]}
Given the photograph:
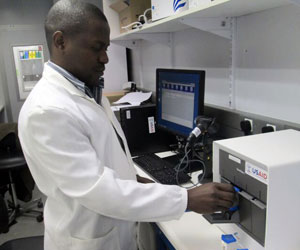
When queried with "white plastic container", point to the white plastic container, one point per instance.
{"points": [[229, 242]]}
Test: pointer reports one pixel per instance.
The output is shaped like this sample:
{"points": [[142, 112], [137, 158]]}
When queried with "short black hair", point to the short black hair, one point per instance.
{"points": [[70, 17]]}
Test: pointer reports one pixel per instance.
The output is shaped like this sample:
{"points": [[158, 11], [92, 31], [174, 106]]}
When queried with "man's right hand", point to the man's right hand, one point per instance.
{"points": [[211, 197]]}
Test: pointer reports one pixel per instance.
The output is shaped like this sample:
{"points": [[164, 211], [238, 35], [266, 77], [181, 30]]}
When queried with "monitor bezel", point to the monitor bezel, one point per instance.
{"points": [[201, 90]]}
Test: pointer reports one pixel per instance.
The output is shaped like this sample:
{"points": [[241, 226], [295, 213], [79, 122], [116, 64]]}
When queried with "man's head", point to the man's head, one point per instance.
{"points": [[78, 37]]}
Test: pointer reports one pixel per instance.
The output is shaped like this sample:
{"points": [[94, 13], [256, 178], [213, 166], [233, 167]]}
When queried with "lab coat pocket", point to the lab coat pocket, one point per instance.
{"points": [[110, 241]]}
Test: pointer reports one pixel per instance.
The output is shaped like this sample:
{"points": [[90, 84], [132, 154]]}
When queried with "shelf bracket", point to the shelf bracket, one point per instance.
{"points": [[131, 44], [215, 25], [161, 38], [232, 77]]}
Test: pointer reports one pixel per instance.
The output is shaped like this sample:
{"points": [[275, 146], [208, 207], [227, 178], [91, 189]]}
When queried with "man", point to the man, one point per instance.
{"points": [[78, 154]]}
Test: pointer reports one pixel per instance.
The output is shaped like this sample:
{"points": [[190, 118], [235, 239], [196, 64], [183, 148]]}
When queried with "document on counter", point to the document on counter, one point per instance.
{"points": [[131, 99], [134, 98]]}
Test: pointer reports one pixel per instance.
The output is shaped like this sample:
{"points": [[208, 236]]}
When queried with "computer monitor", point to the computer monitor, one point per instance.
{"points": [[179, 99]]}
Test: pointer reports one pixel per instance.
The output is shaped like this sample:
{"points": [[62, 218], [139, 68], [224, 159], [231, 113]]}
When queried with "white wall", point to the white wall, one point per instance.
{"points": [[116, 70], [115, 74], [192, 49], [21, 23], [203, 50], [267, 56], [2, 100], [19, 36], [145, 61], [268, 73]]}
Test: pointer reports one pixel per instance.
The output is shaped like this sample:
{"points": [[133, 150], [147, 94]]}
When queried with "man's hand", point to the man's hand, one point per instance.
{"points": [[144, 180], [211, 197]]}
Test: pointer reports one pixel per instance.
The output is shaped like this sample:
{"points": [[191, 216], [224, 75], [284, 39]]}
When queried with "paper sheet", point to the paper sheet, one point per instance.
{"points": [[134, 98]]}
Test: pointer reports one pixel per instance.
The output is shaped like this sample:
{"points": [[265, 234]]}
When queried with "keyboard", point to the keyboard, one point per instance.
{"points": [[161, 170]]}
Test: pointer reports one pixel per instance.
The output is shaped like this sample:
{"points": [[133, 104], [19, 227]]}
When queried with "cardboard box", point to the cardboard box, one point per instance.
{"points": [[130, 13], [119, 6], [114, 96]]}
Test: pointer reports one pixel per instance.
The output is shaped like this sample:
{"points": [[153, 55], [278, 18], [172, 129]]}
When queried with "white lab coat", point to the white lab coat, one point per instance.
{"points": [[93, 198]]}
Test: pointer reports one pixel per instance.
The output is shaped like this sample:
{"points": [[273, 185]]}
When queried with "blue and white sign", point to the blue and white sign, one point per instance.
{"points": [[165, 8], [257, 173], [179, 5]]}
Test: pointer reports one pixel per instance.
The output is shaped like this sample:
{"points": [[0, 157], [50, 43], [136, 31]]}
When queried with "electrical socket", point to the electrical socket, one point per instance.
{"points": [[251, 122], [271, 125]]}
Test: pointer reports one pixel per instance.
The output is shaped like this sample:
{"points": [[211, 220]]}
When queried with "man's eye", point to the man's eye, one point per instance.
{"points": [[96, 48]]}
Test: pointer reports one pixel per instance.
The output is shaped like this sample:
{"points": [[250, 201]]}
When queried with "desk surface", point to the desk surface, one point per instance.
{"points": [[191, 232]]}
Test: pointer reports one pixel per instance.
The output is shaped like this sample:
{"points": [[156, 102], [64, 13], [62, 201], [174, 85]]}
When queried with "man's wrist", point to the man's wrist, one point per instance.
{"points": [[144, 180]]}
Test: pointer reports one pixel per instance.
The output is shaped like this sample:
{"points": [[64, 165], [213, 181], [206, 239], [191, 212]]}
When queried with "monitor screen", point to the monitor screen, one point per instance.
{"points": [[179, 99]]}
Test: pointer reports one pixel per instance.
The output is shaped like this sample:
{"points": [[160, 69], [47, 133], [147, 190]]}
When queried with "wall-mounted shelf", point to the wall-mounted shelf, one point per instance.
{"points": [[213, 17]]}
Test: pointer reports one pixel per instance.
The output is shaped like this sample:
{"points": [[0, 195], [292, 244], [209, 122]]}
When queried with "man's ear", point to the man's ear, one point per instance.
{"points": [[58, 40]]}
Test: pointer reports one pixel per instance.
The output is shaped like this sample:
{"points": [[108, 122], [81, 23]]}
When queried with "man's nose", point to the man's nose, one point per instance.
{"points": [[103, 57]]}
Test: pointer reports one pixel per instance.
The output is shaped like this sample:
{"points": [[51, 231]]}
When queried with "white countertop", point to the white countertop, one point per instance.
{"points": [[191, 232]]}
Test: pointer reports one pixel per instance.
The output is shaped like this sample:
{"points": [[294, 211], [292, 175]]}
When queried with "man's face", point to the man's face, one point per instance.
{"points": [[85, 54]]}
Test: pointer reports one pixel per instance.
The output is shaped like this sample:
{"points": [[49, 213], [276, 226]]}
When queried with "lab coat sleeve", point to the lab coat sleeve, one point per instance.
{"points": [[63, 151]]}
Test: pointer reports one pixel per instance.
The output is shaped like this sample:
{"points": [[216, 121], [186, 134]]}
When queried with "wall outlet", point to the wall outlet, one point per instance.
{"points": [[271, 125], [251, 123]]}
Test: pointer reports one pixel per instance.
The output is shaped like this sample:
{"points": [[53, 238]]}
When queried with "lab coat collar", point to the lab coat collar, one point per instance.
{"points": [[57, 79]]}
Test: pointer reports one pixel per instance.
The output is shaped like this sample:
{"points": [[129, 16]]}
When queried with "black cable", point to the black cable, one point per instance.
{"points": [[178, 168]]}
